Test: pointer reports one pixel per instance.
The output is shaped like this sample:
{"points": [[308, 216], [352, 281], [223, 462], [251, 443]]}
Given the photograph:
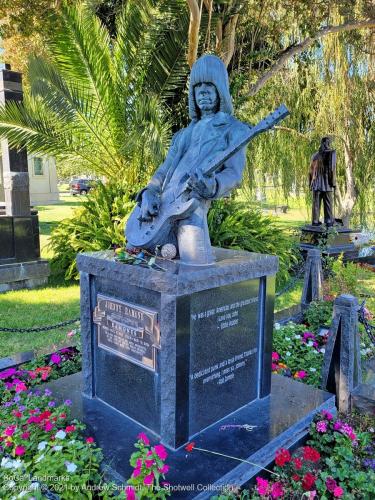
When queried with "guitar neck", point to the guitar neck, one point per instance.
{"points": [[252, 132], [220, 159]]}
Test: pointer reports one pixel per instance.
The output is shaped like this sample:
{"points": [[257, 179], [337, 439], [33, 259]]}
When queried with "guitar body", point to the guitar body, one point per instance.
{"points": [[150, 234]]}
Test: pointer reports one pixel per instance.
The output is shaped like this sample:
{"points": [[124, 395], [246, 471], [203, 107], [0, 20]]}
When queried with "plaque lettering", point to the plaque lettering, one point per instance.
{"points": [[128, 330]]}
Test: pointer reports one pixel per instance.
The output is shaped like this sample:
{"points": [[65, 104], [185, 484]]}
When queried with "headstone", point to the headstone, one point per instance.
{"points": [[341, 372], [20, 263], [313, 279]]}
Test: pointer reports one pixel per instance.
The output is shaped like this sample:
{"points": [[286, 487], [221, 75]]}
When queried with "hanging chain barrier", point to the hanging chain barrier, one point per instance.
{"points": [[39, 328], [292, 282], [370, 329]]}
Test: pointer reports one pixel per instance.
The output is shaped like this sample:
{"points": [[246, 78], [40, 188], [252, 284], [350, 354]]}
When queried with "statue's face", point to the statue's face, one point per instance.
{"points": [[206, 96], [326, 143]]}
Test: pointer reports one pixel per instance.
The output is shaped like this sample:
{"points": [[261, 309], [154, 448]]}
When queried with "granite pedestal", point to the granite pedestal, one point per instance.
{"points": [[177, 351], [333, 243]]}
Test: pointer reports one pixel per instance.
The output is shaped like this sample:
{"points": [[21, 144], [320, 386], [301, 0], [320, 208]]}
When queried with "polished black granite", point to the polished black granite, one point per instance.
{"points": [[215, 347], [19, 238], [342, 240], [281, 420]]}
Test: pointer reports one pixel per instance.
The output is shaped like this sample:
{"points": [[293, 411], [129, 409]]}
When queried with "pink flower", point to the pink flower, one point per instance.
{"points": [[136, 472], [21, 387], [337, 425], [321, 426], [89, 440], [274, 367], [48, 426], [301, 374], [164, 469], [275, 356], [326, 414], [55, 358], [330, 484], [9, 431], [148, 480], [70, 334], [277, 490], [70, 428], [138, 463], [262, 486], [160, 451], [149, 463], [338, 492], [130, 493], [25, 435], [20, 450], [142, 437]]}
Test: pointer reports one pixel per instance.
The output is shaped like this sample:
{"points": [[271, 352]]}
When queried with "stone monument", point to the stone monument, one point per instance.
{"points": [[184, 351], [20, 263], [332, 236]]}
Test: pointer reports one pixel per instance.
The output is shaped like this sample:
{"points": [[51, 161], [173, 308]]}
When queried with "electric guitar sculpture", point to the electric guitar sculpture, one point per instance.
{"points": [[149, 234]]}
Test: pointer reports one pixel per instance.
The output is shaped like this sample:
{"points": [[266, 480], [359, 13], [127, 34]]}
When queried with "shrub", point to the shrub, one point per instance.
{"points": [[232, 225], [97, 225], [319, 313]]}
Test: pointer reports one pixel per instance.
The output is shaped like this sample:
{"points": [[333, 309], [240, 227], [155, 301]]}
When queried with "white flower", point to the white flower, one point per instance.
{"points": [[22, 494], [312, 369], [297, 336], [70, 467], [58, 447], [34, 486], [11, 484], [363, 352], [322, 350], [288, 353], [60, 434], [363, 344], [277, 326], [39, 458], [4, 463], [42, 445], [288, 339], [310, 343]]}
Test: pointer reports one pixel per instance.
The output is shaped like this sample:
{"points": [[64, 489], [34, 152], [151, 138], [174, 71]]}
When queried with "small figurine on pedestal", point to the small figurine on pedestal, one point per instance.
{"points": [[322, 181]]}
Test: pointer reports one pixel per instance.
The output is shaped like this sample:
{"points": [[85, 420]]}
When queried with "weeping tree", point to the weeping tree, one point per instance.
{"points": [[97, 102], [330, 92]]}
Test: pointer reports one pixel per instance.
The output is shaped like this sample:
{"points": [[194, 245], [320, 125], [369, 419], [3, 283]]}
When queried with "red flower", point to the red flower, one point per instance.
{"points": [[311, 454], [282, 457], [297, 463], [89, 440], [296, 477], [44, 415], [17, 414], [308, 481], [189, 447], [21, 387], [25, 435], [70, 428], [62, 415]]}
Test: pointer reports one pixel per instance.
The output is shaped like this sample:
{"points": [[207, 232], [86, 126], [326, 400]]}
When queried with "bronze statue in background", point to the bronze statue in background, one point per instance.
{"points": [[322, 181]]}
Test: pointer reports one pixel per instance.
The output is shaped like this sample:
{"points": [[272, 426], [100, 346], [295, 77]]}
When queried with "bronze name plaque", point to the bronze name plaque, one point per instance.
{"points": [[128, 330]]}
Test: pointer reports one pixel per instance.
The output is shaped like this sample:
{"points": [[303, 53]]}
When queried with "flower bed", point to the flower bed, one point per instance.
{"points": [[338, 462]]}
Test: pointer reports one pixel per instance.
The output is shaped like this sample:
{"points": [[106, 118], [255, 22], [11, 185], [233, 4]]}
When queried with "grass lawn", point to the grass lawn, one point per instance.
{"points": [[59, 301]]}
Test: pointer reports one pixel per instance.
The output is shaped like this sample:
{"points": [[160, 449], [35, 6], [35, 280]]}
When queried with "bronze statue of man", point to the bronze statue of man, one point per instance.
{"points": [[212, 129], [322, 181]]}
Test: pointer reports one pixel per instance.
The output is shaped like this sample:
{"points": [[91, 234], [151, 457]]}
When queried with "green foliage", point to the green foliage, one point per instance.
{"points": [[344, 277], [97, 225], [95, 102], [319, 313], [232, 225]]}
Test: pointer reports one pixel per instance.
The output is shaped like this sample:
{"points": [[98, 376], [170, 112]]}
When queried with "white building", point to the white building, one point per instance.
{"points": [[43, 180]]}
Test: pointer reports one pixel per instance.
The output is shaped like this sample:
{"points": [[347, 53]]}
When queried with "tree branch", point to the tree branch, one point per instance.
{"points": [[288, 129], [229, 39], [195, 22], [300, 47]]}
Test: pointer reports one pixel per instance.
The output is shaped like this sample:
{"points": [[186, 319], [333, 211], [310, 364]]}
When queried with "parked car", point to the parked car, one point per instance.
{"points": [[81, 186]]}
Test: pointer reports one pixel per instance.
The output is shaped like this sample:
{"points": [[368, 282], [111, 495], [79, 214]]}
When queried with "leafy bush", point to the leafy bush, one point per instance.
{"points": [[319, 313], [97, 225], [232, 225], [344, 277]]}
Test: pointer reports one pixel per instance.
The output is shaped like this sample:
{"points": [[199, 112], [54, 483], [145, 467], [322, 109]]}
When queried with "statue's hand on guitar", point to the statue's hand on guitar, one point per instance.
{"points": [[202, 186], [150, 205]]}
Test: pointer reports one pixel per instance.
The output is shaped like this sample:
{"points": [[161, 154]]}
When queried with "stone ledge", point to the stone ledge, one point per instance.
{"points": [[23, 275], [231, 266]]}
